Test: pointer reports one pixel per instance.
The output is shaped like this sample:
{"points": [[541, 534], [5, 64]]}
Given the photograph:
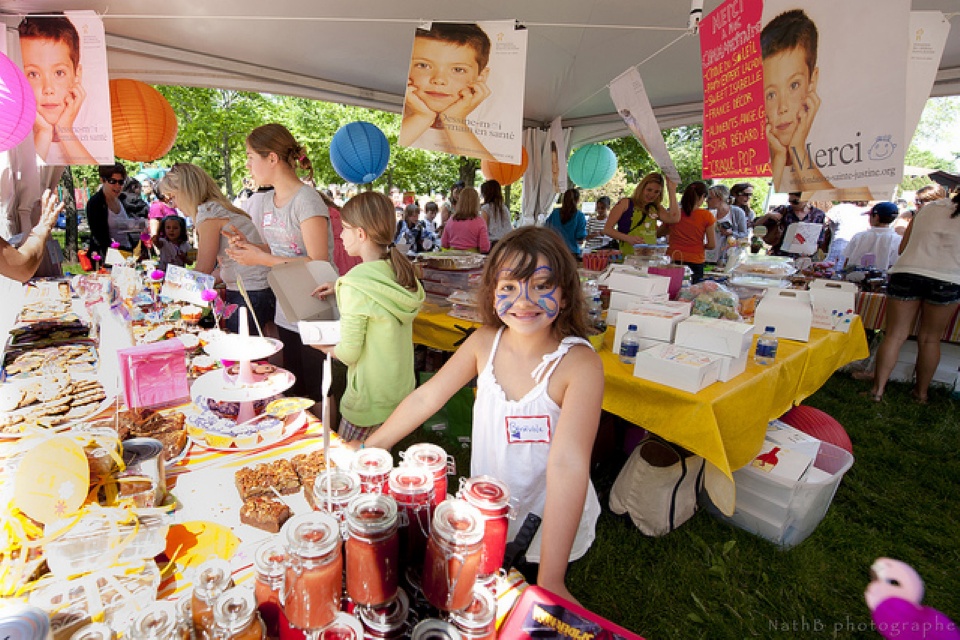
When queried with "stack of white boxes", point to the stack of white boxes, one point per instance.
{"points": [[630, 287]]}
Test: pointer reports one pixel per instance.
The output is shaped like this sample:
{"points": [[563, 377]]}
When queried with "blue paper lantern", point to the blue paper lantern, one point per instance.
{"points": [[359, 152], [18, 107], [592, 165]]}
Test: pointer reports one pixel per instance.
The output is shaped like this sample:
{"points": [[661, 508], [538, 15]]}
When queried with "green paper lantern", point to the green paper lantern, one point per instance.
{"points": [[592, 165]]}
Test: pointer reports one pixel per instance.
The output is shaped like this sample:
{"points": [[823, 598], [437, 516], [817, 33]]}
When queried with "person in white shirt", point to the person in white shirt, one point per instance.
{"points": [[880, 240], [847, 219]]}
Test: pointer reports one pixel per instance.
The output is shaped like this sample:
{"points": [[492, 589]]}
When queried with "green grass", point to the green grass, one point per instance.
{"points": [[711, 580]]}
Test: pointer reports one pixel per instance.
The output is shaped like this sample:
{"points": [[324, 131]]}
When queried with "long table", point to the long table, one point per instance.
{"points": [[725, 423]]}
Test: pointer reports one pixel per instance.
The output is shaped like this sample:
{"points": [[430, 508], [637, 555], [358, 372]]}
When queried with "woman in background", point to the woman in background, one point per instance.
{"points": [[925, 281], [634, 220], [569, 221], [694, 233], [494, 212], [466, 230]]}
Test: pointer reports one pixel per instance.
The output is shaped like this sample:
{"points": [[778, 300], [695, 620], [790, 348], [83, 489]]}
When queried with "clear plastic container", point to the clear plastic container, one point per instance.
{"points": [[766, 350], [96, 541], [630, 345]]}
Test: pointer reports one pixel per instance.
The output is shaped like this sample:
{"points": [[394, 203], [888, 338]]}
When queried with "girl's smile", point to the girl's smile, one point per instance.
{"points": [[528, 300]]}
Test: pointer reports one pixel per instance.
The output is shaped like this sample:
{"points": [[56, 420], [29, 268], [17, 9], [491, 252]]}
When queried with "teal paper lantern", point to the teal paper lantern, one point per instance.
{"points": [[592, 165], [359, 152]]}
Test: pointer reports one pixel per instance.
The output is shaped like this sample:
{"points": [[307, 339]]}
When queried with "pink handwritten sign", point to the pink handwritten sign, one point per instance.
{"points": [[734, 136]]}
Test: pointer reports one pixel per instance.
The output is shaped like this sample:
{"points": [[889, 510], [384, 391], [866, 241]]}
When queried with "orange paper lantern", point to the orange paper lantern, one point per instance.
{"points": [[502, 172], [144, 125]]}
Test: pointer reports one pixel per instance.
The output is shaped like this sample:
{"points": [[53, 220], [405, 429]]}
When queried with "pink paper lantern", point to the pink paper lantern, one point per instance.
{"points": [[18, 107]]}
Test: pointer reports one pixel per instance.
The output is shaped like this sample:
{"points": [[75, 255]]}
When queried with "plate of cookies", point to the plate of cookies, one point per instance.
{"points": [[53, 401]]}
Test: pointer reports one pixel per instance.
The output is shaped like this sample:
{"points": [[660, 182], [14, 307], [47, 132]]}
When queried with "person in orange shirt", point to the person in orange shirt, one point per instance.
{"points": [[694, 233]]}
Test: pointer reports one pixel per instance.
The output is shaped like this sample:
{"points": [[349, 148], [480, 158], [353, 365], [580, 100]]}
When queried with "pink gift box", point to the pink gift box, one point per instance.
{"points": [[154, 375]]}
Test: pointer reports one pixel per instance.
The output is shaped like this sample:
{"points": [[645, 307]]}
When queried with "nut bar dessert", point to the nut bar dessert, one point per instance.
{"points": [[264, 513], [308, 466], [258, 480]]}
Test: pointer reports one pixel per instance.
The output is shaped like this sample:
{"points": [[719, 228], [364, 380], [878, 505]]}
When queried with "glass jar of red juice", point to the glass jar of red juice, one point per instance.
{"points": [[372, 549], [314, 571], [235, 616], [436, 461], [478, 621], [334, 489], [373, 465], [412, 488], [213, 578], [387, 621], [454, 550], [492, 498]]}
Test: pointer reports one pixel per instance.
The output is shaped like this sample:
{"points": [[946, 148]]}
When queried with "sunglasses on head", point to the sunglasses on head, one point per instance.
{"points": [[114, 181]]}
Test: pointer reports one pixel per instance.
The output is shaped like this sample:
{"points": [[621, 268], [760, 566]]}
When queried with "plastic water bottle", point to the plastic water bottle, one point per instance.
{"points": [[629, 345], [767, 344]]}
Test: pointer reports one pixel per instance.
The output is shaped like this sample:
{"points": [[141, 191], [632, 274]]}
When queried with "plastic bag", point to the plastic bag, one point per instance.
{"points": [[712, 300]]}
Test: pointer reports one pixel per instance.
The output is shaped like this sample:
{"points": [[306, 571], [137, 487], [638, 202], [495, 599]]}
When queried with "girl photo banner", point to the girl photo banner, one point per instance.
{"points": [[465, 90], [734, 128], [65, 61]]}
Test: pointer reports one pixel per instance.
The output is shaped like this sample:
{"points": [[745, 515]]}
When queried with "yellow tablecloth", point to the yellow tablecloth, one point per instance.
{"points": [[724, 423]]}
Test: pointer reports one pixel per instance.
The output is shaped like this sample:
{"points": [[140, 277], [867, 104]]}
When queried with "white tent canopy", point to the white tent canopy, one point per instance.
{"points": [[358, 53]]}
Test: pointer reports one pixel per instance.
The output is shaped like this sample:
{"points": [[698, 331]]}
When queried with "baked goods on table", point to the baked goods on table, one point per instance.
{"points": [[262, 479], [167, 427], [48, 401], [66, 358], [49, 331], [264, 513]]}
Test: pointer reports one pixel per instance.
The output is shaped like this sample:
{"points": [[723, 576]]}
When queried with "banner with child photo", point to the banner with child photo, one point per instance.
{"points": [[65, 61], [464, 91]]}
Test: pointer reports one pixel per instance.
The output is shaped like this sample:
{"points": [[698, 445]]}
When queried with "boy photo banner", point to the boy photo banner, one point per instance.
{"points": [[630, 97], [834, 81], [65, 61], [465, 90], [734, 136]]}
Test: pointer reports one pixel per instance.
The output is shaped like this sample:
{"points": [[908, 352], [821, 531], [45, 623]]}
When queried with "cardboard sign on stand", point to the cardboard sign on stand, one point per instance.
{"points": [[294, 282]]}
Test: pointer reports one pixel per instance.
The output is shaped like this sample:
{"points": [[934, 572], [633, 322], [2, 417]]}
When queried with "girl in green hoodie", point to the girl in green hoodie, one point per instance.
{"points": [[378, 300]]}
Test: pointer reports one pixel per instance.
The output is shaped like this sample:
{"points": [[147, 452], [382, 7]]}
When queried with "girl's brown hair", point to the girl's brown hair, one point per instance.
{"points": [[519, 251], [276, 138], [468, 204], [373, 212]]}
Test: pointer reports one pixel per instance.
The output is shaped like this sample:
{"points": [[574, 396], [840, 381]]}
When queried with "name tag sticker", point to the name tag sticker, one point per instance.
{"points": [[268, 218], [528, 429]]}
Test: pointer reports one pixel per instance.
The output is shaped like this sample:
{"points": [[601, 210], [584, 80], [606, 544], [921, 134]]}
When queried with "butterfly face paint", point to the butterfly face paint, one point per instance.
{"points": [[537, 291]]}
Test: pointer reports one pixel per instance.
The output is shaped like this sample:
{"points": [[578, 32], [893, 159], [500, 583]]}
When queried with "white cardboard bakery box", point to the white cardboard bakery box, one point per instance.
{"points": [[723, 337], [678, 367], [792, 438], [631, 280], [834, 304], [731, 367], [788, 311], [655, 321]]}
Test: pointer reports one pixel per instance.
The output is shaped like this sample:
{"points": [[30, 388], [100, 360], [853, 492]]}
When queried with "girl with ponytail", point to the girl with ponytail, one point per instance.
{"points": [[378, 300]]}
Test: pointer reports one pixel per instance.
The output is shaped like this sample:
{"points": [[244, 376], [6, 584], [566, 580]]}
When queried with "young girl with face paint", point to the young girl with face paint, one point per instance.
{"points": [[539, 392]]}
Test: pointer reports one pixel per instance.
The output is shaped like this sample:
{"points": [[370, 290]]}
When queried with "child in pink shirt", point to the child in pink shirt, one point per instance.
{"points": [[466, 230]]}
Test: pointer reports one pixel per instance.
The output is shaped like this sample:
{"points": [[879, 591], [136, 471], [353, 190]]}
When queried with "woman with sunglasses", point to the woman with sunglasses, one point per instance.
{"points": [[742, 194], [109, 221]]}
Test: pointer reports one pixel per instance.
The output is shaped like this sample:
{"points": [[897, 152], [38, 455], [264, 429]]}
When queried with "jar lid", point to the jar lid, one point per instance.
{"points": [[95, 631], [270, 558], [24, 622], [337, 486], [184, 607], [428, 455], [343, 627], [410, 480], [479, 614], [387, 617], [371, 513], [458, 522], [434, 629], [485, 492], [372, 462], [159, 620], [311, 535], [213, 577], [234, 609]]}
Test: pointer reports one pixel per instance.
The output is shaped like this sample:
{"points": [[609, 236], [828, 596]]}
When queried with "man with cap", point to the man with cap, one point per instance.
{"points": [[880, 240]]}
